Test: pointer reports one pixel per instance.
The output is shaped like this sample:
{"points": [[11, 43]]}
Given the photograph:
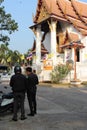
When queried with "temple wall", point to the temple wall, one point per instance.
{"points": [[84, 51], [81, 73], [47, 42]]}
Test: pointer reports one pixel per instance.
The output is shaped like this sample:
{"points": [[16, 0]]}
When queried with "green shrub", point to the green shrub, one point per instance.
{"points": [[59, 72]]}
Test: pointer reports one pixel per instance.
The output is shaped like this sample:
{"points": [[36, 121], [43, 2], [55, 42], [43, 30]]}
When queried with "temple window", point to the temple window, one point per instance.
{"points": [[78, 55]]}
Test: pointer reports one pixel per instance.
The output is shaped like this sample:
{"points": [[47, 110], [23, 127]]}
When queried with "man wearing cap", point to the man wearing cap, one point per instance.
{"points": [[32, 81]]}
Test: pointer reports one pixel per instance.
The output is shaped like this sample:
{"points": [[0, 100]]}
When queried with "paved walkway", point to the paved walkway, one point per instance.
{"points": [[58, 109]]}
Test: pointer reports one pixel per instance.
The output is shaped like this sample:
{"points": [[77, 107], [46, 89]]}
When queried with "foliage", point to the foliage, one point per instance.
{"points": [[59, 72], [3, 52], [7, 24], [9, 57]]}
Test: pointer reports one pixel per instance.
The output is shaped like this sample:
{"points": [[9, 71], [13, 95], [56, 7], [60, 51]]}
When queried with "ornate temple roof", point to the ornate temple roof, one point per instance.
{"points": [[73, 39], [72, 45], [72, 36], [74, 12]]}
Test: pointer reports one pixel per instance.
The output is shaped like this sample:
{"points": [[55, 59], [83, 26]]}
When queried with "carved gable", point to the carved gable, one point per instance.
{"points": [[43, 14]]}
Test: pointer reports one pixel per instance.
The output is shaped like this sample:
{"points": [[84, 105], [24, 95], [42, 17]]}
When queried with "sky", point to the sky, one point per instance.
{"points": [[21, 11]]}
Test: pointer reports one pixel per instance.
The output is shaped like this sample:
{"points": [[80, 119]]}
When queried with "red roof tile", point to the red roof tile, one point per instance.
{"points": [[73, 36], [81, 9]]}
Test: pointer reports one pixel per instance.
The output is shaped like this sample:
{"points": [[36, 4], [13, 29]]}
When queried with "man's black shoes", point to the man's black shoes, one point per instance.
{"points": [[30, 114], [35, 112], [23, 118], [14, 119]]}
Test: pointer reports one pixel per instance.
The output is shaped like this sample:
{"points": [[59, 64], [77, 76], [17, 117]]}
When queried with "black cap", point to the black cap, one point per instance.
{"points": [[29, 69]]}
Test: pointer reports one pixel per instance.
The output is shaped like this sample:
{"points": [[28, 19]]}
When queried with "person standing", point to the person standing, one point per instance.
{"points": [[18, 84], [32, 81]]}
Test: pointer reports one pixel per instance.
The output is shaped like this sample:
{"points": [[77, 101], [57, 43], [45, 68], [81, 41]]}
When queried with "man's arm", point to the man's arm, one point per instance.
{"points": [[11, 81], [37, 81]]}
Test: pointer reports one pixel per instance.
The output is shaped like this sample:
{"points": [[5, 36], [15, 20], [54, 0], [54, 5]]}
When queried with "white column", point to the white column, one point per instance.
{"points": [[73, 54], [38, 45], [83, 52], [81, 55], [53, 41]]}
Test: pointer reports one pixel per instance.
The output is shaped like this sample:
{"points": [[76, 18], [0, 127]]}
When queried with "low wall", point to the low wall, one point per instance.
{"points": [[81, 72]]}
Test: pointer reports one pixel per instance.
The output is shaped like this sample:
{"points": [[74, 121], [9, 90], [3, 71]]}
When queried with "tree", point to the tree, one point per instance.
{"points": [[15, 57], [3, 53], [9, 57], [7, 24]]}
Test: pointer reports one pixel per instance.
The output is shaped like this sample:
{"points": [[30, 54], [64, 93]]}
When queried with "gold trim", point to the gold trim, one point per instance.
{"points": [[43, 14]]}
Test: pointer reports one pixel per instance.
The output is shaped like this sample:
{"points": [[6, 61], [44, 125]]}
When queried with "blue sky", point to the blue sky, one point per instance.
{"points": [[21, 11]]}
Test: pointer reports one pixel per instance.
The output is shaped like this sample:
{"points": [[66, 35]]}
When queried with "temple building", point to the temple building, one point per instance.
{"points": [[57, 25]]}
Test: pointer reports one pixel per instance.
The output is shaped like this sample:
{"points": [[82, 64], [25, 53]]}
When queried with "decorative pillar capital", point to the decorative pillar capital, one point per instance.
{"points": [[52, 25], [34, 31]]}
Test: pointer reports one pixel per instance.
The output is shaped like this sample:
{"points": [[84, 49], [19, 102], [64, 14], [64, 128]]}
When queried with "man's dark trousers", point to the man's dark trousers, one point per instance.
{"points": [[19, 97], [32, 101]]}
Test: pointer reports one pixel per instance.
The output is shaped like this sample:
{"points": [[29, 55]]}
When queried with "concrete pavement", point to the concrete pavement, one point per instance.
{"points": [[58, 109]]}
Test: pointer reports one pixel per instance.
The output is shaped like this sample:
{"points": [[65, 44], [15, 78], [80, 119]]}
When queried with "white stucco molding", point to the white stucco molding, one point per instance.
{"points": [[38, 44], [53, 42]]}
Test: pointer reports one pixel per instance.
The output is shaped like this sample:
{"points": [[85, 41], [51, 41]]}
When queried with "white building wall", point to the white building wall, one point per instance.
{"points": [[84, 51], [47, 42]]}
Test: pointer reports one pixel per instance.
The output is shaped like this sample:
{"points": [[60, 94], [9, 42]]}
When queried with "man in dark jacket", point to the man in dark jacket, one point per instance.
{"points": [[32, 80], [18, 84]]}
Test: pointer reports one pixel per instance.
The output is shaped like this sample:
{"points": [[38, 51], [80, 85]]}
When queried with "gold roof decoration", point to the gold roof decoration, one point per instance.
{"points": [[43, 14], [42, 11], [61, 40]]}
